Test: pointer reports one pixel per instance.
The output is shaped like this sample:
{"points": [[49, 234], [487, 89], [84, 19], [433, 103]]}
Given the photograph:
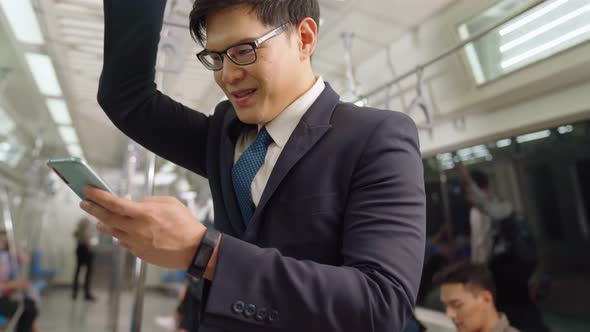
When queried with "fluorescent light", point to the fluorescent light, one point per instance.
{"points": [[565, 129], [68, 134], [44, 74], [533, 136], [22, 20], [321, 21], [472, 56], [59, 111], [529, 18], [504, 143], [445, 161], [444, 156], [475, 152], [546, 27], [547, 46], [75, 150]]}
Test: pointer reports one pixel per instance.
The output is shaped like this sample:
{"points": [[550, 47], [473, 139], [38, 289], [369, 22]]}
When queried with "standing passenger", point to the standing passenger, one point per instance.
{"points": [[84, 257], [320, 204]]}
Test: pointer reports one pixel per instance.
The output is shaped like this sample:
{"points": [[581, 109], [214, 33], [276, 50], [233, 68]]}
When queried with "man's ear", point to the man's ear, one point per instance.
{"points": [[486, 295], [307, 35]]}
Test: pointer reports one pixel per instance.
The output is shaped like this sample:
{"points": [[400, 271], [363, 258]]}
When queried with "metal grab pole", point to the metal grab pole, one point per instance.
{"points": [[118, 252], [8, 226], [140, 265], [450, 51]]}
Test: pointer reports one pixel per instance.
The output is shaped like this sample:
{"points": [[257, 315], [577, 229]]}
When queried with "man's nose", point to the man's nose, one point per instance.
{"points": [[231, 73], [452, 314]]}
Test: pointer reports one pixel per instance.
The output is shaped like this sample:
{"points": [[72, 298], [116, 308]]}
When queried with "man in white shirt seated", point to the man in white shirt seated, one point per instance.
{"points": [[468, 291]]}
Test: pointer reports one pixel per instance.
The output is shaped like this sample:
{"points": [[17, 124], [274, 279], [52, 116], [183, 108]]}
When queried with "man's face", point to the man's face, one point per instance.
{"points": [[260, 91], [466, 307]]}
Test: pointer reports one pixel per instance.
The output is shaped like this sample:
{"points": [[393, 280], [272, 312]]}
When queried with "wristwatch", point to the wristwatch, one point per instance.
{"points": [[202, 256]]}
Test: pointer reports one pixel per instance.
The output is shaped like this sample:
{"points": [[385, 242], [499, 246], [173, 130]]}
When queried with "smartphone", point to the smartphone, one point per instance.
{"points": [[76, 173]]}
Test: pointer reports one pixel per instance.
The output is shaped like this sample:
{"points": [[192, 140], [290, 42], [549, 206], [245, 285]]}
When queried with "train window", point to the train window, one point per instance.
{"points": [[545, 176], [539, 33]]}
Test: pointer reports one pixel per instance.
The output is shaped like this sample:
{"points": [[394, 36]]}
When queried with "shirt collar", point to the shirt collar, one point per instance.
{"points": [[502, 324], [281, 127]]}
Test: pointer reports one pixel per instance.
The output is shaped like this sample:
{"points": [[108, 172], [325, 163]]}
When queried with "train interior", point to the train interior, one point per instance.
{"points": [[501, 86]]}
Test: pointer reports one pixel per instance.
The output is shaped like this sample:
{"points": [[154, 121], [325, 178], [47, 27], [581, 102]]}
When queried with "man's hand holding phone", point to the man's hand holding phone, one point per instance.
{"points": [[159, 230]]}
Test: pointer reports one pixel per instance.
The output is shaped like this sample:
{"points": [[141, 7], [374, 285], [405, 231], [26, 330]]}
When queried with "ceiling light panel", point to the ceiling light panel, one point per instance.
{"points": [[59, 111], [44, 74], [75, 150], [530, 18], [533, 136], [68, 134], [23, 20]]}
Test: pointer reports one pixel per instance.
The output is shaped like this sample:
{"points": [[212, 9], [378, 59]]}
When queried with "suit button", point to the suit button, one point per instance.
{"points": [[273, 316], [250, 310], [261, 314], [238, 307]]}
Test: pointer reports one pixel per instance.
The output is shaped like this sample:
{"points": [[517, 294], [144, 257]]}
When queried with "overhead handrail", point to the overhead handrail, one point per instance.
{"points": [[420, 103], [451, 50]]}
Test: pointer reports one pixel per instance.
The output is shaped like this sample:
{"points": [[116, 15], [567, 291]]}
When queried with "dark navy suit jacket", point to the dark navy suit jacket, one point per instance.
{"points": [[337, 240]]}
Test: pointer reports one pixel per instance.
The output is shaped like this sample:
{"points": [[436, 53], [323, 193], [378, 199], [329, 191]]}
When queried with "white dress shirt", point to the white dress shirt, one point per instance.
{"points": [[280, 129], [487, 209]]}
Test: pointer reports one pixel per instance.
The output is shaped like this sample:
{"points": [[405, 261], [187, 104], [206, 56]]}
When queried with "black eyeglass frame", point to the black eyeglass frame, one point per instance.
{"points": [[254, 44]]}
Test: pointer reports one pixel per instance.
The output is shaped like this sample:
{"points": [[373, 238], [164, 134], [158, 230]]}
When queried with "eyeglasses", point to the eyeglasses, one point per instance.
{"points": [[241, 54]]}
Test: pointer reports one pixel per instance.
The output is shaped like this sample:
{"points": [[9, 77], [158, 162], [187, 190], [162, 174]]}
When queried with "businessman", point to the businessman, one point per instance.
{"points": [[319, 204]]}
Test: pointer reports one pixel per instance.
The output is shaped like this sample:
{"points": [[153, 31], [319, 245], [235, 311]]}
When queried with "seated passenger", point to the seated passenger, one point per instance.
{"points": [[8, 306], [467, 292]]}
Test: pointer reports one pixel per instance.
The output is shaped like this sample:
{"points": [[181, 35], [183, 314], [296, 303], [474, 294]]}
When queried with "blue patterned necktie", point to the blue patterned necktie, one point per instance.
{"points": [[245, 170]]}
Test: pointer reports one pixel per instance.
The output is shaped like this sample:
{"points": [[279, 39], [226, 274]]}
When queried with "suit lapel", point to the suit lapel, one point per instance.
{"points": [[312, 127], [231, 131]]}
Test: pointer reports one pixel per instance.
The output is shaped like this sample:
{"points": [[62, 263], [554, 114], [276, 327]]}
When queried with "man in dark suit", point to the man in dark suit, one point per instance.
{"points": [[319, 204]]}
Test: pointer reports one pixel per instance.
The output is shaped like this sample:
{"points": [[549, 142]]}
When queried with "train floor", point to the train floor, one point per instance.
{"points": [[59, 313]]}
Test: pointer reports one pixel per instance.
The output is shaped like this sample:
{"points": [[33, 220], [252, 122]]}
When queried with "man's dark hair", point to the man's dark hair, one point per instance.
{"points": [[270, 12], [470, 275], [481, 179]]}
